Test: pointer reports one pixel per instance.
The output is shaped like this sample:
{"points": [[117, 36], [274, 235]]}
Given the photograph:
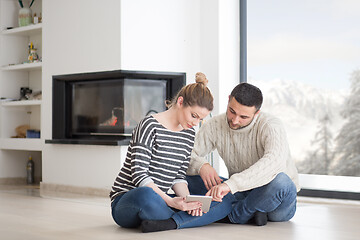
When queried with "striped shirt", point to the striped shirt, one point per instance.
{"points": [[155, 154]]}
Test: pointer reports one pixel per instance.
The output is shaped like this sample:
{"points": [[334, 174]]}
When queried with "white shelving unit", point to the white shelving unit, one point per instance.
{"points": [[22, 75], [23, 144], [21, 103], [15, 73], [30, 30], [23, 67]]}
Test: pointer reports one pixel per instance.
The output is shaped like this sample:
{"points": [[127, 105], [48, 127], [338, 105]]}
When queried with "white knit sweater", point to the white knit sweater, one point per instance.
{"points": [[253, 155]]}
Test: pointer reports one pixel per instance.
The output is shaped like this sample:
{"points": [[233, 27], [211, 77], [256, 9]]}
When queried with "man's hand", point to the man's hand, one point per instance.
{"points": [[209, 176], [218, 192]]}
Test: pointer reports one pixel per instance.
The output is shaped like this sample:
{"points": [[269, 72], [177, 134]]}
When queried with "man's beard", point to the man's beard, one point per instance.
{"points": [[237, 126], [234, 127]]}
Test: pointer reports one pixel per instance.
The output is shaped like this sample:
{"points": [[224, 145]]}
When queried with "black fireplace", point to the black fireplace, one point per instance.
{"points": [[104, 107]]}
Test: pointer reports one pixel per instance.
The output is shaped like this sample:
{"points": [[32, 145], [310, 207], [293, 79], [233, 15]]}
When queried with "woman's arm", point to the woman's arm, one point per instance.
{"points": [[176, 202], [181, 189]]}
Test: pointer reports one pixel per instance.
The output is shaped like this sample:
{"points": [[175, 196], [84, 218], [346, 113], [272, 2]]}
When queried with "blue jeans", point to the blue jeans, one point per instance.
{"points": [[131, 208], [277, 199]]}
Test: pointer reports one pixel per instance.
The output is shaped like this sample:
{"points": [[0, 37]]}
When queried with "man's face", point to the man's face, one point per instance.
{"points": [[238, 115]]}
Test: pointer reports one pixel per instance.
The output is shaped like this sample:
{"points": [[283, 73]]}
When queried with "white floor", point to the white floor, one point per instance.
{"points": [[26, 215]]}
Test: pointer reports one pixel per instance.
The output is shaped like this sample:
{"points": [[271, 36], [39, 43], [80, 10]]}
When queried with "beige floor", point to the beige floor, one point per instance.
{"points": [[26, 215]]}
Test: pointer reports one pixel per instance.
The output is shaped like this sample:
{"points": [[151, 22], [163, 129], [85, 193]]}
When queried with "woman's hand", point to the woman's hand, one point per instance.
{"points": [[196, 212], [180, 204]]}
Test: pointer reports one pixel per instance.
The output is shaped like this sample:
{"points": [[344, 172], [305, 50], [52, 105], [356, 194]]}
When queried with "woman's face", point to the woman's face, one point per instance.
{"points": [[190, 116]]}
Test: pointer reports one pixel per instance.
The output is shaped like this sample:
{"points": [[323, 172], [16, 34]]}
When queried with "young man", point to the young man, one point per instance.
{"points": [[253, 145]]}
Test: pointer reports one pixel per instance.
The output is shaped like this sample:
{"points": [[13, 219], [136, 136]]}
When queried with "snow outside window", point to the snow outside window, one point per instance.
{"points": [[305, 57]]}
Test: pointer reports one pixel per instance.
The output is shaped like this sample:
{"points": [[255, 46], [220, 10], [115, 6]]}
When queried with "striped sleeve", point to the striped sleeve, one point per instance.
{"points": [[181, 175], [182, 171], [140, 161], [141, 153]]}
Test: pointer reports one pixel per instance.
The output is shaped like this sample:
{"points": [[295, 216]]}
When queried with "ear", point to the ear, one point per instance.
{"points": [[180, 101], [257, 112]]}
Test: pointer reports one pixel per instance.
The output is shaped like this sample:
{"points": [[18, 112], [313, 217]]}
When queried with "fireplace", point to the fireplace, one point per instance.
{"points": [[104, 107]]}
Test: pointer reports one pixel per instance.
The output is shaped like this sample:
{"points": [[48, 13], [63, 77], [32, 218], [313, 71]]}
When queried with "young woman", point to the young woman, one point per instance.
{"points": [[157, 159]]}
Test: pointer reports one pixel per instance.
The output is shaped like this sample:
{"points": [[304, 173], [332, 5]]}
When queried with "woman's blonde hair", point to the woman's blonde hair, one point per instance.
{"points": [[195, 94]]}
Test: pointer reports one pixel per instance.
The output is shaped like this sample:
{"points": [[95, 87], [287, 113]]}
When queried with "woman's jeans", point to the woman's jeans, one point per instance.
{"points": [[129, 209]]}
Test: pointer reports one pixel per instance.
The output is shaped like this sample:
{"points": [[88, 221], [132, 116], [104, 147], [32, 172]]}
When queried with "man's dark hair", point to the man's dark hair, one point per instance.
{"points": [[248, 95]]}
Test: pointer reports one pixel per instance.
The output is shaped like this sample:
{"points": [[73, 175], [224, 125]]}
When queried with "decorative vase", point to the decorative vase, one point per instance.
{"points": [[25, 16], [33, 56]]}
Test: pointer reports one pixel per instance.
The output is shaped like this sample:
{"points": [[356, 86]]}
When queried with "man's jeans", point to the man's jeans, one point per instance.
{"points": [[277, 199], [129, 209]]}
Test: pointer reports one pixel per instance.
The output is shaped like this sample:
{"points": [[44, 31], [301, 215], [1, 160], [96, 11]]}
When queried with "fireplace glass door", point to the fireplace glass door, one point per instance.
{"points": [[114, 107]]}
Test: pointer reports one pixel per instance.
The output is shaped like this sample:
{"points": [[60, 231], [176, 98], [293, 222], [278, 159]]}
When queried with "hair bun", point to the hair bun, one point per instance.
{"points": [[201, 78]]}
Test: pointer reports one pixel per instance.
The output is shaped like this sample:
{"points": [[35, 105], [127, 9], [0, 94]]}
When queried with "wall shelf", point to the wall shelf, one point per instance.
{"points": [[30, 30], [21, 103], [28, 144], [23, 67], [17, 73]]}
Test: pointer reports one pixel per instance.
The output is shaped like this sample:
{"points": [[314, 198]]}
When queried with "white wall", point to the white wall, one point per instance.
{"points": [[165, 35], [184, 35], [229, 50], [160, 35], [157, 35], [229, 60], [78, 36]]}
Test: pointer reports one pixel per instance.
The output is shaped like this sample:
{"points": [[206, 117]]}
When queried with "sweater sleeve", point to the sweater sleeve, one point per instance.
{"points": [[141, 154], [276, 152], [204, 144], [181, 175]]}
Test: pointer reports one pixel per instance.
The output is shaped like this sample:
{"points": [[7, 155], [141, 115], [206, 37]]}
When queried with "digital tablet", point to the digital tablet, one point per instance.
{"points": [[205, 200]]}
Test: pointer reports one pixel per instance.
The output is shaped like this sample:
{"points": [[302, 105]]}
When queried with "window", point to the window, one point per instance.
{"points": [[305, 57]]}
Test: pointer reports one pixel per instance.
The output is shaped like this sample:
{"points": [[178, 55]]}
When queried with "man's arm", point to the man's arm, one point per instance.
{"points": [[204, 143], [218, 192], [276, 153], [209, 176]]}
